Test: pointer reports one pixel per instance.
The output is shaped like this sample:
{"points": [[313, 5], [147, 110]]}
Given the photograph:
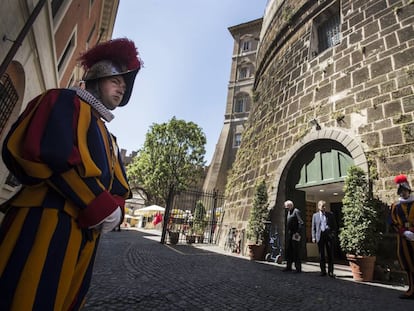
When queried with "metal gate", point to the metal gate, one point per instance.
{"points": [[195, 215]]}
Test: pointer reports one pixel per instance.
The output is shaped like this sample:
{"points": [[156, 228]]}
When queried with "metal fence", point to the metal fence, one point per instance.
{"points": [[196, 215]]}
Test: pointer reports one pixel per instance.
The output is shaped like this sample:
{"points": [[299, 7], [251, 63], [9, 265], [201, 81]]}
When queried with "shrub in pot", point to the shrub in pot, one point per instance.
{"points": [[256, 228], [359, 235]]}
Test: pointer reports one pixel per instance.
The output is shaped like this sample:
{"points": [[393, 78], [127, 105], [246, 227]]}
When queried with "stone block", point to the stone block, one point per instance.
{"points": [[405, 34], [393, 165], [391, 40], [408, 104], [381, 67], [408, 131], [323, 92], [392, 109], [387, 20], [366, 94], [388, 86], [378, 6], [355, 37], [404, 58], [374, 114], [371, 28], [360, 76], [356, 57], [402, 92], [372, 140], [392, 136]]}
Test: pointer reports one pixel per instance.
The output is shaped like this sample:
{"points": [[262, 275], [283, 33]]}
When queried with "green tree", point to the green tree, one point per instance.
{"points": [[259, 213], [171, 159]]}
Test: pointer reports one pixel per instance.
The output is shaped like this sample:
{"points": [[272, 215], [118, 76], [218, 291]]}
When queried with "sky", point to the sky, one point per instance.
{"points": [[186, 49]]}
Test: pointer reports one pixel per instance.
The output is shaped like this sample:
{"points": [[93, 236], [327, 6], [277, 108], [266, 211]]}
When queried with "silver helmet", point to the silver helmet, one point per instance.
{"points": [[113, 58]]}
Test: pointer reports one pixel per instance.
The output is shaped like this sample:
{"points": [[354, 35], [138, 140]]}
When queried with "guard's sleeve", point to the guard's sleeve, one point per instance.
{"points": [[48, 143]]}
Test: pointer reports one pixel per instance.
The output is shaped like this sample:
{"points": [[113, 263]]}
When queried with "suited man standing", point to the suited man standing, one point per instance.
{"points": [[323, 232], [294, 224]]}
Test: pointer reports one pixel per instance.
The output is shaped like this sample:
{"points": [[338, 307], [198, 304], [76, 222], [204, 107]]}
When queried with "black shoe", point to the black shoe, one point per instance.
{"points": [[286, 270], [298, 271], [322, 274], [404, 296], [331, 274]]}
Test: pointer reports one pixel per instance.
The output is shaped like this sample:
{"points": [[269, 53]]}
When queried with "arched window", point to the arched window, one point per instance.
{"points": [[240, 104]]}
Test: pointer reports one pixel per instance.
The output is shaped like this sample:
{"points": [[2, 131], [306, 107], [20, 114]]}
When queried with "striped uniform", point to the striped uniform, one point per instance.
{"points": [[72, 177], [402, 219]]}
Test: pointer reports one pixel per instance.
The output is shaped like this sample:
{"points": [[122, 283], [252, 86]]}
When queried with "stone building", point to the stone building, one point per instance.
{"points": [[39, 45], [239, 101], [334, 87]]}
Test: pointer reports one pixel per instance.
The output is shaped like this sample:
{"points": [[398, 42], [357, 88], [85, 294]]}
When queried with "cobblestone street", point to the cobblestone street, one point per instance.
{"points": [[134, 271]]}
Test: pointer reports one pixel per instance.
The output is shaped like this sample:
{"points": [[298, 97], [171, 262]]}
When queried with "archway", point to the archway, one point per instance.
{"points": [[331, 151]]}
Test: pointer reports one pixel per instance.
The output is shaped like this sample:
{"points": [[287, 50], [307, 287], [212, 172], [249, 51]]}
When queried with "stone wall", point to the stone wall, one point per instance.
{"points": [[362, 87]]}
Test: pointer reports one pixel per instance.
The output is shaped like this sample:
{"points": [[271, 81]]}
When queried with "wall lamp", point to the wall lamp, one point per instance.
{"points": [[315, 123]]}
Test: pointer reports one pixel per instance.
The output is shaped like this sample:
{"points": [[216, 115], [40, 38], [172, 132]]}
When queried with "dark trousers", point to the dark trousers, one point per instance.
{"points": [[293, 254], [326, 243]]}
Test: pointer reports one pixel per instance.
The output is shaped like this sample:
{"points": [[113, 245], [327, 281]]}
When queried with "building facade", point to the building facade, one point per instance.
{"points": [[334, 87], [238, 105], [41, 41]]}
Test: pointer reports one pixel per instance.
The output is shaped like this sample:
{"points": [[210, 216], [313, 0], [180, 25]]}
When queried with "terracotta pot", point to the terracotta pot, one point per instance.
{"points": [[256, 252], [362, 267]]}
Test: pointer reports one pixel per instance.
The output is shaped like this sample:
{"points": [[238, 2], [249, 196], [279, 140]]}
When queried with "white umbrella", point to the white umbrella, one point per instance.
{"points": [[148, 210]]}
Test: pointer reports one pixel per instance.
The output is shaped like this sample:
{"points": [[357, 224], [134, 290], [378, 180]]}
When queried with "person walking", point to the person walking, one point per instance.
{"points": [[323, 233], [74, 184], [402, 220], [294, 224]]}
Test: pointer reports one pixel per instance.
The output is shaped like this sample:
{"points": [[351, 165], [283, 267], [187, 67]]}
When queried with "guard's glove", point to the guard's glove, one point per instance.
{"points": [[110, 222], [409, 235]]}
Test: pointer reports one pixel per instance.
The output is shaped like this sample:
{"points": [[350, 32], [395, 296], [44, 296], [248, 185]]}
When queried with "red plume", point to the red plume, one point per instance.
{"points": [[400, 179], [120, 51]]}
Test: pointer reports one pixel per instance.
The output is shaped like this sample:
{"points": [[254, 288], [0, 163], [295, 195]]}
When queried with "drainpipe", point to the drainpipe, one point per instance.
{"points": [[18, 42]]}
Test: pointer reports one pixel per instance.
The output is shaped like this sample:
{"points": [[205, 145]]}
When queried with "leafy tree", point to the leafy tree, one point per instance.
{"points": [[259, 213], [171, 159]]}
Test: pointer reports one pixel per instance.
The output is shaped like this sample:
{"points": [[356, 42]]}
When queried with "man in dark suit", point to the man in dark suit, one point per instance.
{"points": [[323, 232], [294, 224]]}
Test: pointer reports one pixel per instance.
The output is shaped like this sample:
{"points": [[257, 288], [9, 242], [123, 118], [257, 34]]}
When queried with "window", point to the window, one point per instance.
{"points": [[329, 33], [70, 47], [240, 104], [56, 4], [243, 73], [88, 41], [237, 140], [326, 30], [247, 45], [8, 100]]}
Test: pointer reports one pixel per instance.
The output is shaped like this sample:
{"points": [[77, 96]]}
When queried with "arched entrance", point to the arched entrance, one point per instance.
{"points": [[314, 169]]}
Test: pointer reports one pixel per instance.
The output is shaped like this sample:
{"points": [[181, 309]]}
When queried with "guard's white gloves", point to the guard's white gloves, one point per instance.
{"points": [[110, 222], [409, 235]]}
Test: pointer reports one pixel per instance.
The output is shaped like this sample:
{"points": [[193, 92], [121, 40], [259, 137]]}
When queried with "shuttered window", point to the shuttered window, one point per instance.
{"points": [[329, 33]]}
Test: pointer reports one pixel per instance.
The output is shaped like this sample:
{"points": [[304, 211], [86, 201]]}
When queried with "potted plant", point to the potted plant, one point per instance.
{"points": [[359, 235], [199, 223], [256, 227], [174, 226]]}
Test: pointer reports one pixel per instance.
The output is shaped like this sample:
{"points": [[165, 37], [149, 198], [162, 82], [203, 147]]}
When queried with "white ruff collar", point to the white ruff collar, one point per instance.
{"points": [[408, 200], [94, 103]]}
